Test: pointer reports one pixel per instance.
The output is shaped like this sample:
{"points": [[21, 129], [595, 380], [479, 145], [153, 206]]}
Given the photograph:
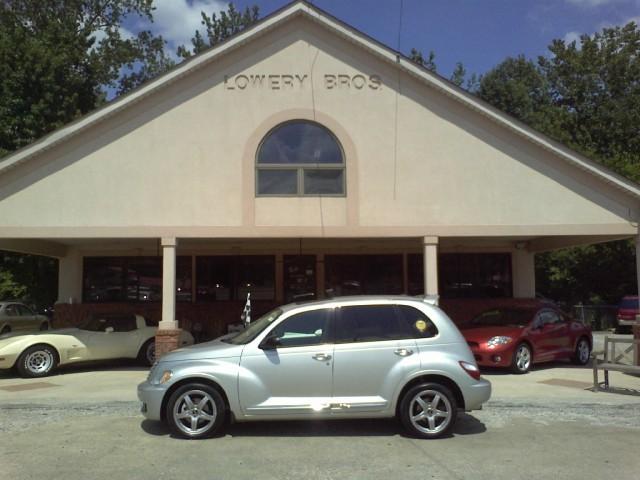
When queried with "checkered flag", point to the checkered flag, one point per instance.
{"points": [[246, 313]]}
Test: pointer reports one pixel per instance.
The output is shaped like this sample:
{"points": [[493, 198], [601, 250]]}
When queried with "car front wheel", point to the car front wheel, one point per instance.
{"points": [[521, 362], [37, 361], [195, 411], [428, 410]]}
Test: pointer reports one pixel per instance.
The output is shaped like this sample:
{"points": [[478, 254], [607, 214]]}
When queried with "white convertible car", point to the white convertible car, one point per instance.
{"points": [[101, 338]]}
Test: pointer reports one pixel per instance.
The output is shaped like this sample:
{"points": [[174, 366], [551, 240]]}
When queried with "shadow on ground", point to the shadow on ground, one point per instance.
{"points": [[465, 425]]}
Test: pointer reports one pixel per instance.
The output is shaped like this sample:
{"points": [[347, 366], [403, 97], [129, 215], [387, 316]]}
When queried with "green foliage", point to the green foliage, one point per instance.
{"points": [[586, 95], [31, 278], [458, 74], [429, 63], [9, 288], [219, 28], [58, 57]]}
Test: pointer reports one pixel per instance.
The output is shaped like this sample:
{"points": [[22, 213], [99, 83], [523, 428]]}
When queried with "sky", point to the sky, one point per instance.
{"points": [[478, 33]]}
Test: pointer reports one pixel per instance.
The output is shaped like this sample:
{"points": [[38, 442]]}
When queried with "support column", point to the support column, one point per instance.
{"points": [[430, 266], [70, 278], [168, 334], [524, 273]]}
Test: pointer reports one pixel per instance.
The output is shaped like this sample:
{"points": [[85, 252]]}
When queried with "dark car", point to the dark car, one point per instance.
{"points": [[627, 311], [518, 337]]}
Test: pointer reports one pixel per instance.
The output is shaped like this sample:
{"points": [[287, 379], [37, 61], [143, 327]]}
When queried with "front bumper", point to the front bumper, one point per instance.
{"points": [[477, 394], [151, 397], [499, 356]]}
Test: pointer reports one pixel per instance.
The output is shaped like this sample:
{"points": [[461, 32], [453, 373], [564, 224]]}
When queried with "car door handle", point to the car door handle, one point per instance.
{"points": [[321, 357], [403, 352]]}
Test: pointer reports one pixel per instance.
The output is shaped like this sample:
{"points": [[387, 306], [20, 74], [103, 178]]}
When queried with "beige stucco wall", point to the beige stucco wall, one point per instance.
{"points": [[181, 162]]}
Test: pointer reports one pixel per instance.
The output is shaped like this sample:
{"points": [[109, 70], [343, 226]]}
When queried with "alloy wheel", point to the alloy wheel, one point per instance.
{"points": [[583, 351], [430, 411], [523, 358], [195, 412]]}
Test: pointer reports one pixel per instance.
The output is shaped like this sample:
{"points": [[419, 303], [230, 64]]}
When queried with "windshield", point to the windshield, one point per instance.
{"points": [[503, 318], [254, 329]]}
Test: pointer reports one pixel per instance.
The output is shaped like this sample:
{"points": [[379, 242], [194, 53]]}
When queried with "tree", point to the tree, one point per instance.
{"points": [[9, 288], [587, 96], [58, 58], [458, 74], [31, 278], [219, 28], [429, 63]]}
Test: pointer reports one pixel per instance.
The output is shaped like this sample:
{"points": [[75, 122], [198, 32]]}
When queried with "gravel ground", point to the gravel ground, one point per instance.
{"points": [[21, 417]]}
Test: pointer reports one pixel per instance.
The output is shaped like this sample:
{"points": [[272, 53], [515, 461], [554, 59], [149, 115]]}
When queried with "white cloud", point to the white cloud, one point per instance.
{"points": [[572, 37], [592, 3], [177, 20]]}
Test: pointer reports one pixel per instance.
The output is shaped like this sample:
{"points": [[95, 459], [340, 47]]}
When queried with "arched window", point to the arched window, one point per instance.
{"points": [[300, 158]]}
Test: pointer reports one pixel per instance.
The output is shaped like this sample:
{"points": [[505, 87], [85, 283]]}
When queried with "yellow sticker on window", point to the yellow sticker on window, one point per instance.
{"points": [[421, 325]]}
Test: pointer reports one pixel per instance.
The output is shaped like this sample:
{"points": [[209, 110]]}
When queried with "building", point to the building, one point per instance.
{"points": [[300, 156]]}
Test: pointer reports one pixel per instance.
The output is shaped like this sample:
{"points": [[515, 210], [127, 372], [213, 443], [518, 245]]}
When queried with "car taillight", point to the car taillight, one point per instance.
{"points": [[471, 368]]}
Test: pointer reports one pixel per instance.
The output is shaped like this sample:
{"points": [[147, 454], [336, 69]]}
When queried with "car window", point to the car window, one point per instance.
{"points": [[24, 311], [11, 311], [369, 323], [418, 323], [548, 317], [306, 328], [124, 323]]}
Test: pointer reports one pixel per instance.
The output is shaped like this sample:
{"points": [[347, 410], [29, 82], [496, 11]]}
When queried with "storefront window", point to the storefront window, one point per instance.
{"points": [[299, 277], [363, 274], [300, 158], [232, 277], [132, 279], [475, 275]]}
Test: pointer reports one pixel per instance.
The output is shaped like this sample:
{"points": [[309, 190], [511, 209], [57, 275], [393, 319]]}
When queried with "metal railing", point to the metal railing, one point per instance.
{"points": [[598, 317]]}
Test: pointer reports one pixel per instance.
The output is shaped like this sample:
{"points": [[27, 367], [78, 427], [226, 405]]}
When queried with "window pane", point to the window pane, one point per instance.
{"points": [[307, 328], [256, 275], [323, 182], [415, 266], [277, 182], [183, 279], [418, 323], [475, 275], [364, 274], [300, 142], [299, 276], [144, 279], [369, 323], [214, 278], [103, 279]]}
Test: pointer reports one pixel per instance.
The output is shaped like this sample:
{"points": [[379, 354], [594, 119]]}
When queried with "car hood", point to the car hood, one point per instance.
{"points": [[202, 351], [482, 334]]}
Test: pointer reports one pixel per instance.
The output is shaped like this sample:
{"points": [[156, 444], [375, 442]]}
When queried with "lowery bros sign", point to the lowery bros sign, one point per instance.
{"points": [[285, 81]]}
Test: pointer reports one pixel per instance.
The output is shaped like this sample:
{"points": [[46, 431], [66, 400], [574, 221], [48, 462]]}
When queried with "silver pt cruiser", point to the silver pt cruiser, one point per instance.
{"points": [[348, 357]]}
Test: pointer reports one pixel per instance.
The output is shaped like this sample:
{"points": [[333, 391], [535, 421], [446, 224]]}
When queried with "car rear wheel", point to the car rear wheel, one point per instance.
{"points": [[521, 361], [582, 353], [44, 326], [428, 410], [147, 353], [195, 411], [37, 361]]}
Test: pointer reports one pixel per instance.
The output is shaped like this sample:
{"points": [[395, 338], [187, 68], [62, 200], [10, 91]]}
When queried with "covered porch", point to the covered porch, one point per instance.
{"points": [[201, 284]]}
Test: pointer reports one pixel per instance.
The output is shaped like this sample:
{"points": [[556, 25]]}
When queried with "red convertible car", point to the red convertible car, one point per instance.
{"points": [[518, 337]]}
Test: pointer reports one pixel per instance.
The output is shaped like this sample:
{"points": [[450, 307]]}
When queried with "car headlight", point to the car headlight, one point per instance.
{"points": [[493, 341], [159, 376]]}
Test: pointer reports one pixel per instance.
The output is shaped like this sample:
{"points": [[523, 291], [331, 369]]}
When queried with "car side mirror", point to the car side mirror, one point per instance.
{"points": [[270, 343], [108, 330]]}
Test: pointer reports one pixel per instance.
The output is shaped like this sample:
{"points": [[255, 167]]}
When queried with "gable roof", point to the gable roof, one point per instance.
{"points": [[345, 31]]}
